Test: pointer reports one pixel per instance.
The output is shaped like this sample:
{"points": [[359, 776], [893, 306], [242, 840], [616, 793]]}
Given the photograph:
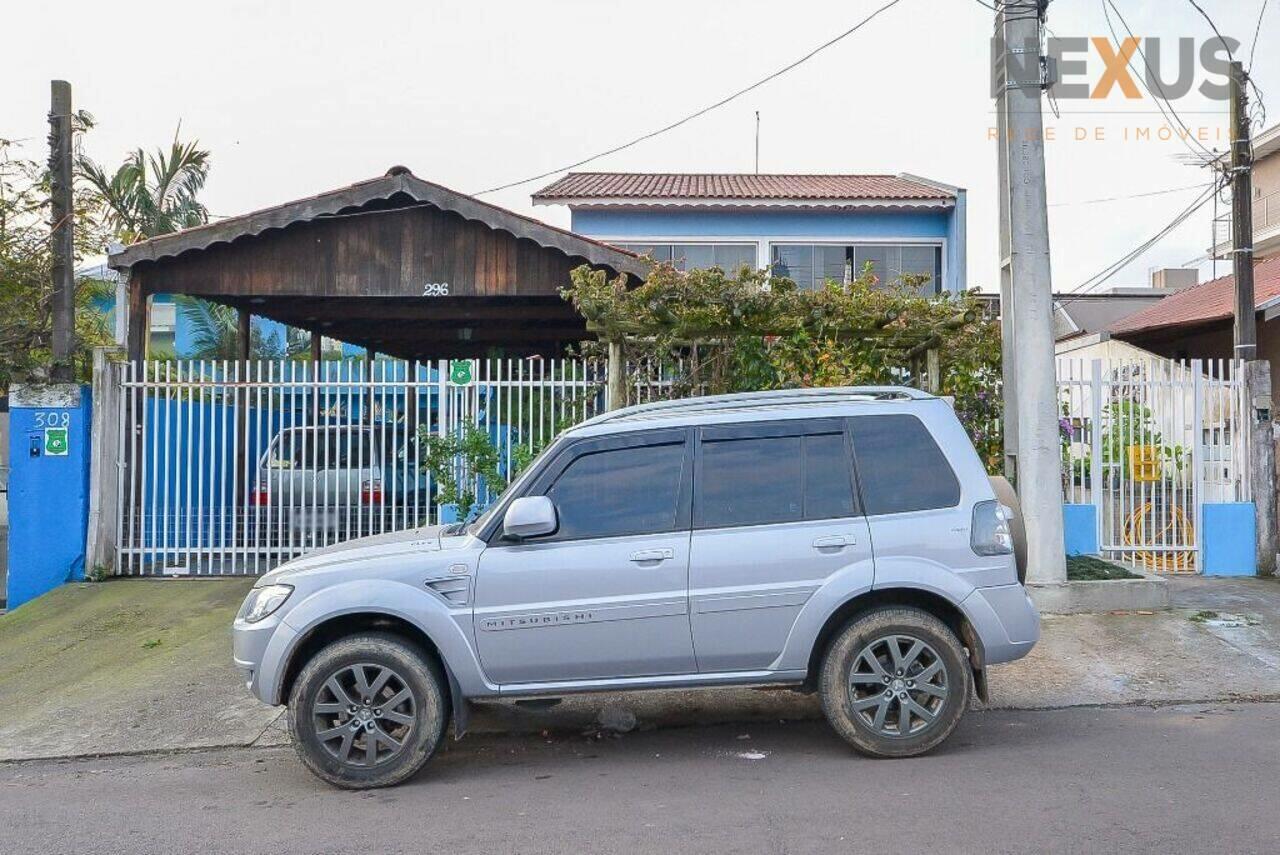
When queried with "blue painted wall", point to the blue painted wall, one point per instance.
{"points": [[48, 498], [763, 224], [775, 223], [1080, 529], [1230, 539]]}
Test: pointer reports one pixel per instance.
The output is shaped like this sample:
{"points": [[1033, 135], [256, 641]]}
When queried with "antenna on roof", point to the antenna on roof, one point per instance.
{"points": [[757, 142]]}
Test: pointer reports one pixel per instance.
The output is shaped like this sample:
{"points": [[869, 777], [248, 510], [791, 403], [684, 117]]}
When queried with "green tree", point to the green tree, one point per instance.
{"points": [[26, 286], [151, 194]]}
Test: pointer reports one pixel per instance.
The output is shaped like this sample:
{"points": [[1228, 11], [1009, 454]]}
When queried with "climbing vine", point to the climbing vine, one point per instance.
{"points": [[710, 332]]}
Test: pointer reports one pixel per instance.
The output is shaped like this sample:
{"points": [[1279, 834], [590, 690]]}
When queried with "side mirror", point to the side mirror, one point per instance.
{"points": [[530, 516]]}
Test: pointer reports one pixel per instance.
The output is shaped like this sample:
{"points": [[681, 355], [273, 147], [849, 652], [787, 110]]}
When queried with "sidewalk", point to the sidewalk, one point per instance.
{"points": [[144, 665]]}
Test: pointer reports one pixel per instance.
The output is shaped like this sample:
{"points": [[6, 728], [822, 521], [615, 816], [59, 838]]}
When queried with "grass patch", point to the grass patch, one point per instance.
{"points": [[1086, 568]]}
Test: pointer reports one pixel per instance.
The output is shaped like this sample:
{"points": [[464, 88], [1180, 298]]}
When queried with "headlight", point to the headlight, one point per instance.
{"points": [[261, 602]]}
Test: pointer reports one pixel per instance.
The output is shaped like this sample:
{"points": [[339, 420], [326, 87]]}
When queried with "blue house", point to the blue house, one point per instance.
{"points": [[810, 228]]}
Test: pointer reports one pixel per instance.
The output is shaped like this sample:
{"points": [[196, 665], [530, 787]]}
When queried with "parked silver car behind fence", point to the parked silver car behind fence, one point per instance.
{"points": [[841, 541]]}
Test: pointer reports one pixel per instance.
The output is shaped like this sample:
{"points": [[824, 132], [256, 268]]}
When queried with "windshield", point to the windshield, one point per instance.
{"points": [[512, 488]]}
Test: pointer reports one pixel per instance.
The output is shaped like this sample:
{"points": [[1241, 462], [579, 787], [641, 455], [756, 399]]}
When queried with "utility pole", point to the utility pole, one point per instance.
{"points": [[1246, 328], [61, 232], [1258, 430], [1031, 390]]}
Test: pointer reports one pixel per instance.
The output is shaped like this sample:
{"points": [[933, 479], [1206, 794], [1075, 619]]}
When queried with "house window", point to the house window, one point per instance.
{"points": [[729, 257], [812, 265]]}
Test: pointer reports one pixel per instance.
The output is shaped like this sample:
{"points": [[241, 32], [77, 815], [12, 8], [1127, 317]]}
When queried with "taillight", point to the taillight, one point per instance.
{"points": [[371, 492], [991, 534]]}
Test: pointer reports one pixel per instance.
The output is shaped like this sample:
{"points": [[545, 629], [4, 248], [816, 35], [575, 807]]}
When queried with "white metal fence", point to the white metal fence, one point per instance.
{"points": [[1149, 443], [235, 467]]}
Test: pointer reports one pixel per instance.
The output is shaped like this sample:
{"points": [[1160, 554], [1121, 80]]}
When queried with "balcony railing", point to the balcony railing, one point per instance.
{"points": [[1266, 216]]}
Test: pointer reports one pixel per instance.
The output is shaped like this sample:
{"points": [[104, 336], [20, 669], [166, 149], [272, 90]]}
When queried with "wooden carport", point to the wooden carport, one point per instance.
{"points": [[397, 265]]}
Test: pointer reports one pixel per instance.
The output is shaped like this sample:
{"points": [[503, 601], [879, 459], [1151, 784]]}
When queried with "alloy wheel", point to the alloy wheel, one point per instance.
{"points": [[363, 714], [897, 686]]}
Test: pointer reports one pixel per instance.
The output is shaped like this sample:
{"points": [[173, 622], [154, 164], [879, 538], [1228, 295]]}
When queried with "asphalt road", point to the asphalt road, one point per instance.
{"points": [[1186, 779]]}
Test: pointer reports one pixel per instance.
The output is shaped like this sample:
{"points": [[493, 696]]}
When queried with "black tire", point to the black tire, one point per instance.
{"points": [[848, 705], [415, 688]]}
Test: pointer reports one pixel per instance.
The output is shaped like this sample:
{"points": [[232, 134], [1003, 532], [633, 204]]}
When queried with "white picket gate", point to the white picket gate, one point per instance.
{"points": [[236, 467], [1148, 443]]}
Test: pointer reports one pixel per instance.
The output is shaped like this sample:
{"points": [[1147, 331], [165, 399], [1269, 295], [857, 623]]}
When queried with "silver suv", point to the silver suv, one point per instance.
{"points": [[843, 541]]}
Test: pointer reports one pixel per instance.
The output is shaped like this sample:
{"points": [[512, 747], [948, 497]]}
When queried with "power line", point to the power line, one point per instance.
{"points": [[1231, 54], [1112, 269], [1123, 198], [690, 117], [1187, 137], [1213, 27], [1257, 31]]}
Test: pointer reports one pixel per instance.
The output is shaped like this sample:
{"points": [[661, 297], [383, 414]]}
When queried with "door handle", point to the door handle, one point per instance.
{"points": [[648, 555], [834, 541]]}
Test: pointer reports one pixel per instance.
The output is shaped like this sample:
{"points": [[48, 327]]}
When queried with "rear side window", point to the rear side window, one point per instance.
{"points": [[620, 491], [774, 479], [900, 467]]}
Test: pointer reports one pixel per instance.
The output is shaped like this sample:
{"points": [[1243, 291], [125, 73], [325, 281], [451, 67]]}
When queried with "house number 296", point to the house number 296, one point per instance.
{"points": [[435, 289]]}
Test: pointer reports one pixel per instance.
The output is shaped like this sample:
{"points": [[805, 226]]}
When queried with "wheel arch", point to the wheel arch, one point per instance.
{"points": [[926, 600]]}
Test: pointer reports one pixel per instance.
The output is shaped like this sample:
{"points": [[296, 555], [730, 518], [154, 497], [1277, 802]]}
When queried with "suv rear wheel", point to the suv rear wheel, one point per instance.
{"points": [[895, 682], [367, 711]]}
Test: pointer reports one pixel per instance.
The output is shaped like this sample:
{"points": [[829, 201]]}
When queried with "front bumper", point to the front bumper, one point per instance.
{"points": [[1006, 622], [258, 652]]}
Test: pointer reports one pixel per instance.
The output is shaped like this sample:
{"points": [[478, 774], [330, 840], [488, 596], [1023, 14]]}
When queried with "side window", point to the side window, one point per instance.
{"points": [[619, 491], [751, 481], [762, 480], [900, 466], [828, 481]]}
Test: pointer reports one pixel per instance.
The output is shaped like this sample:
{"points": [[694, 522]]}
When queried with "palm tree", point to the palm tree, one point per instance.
{"points": [[152, 194], [214, 331]]}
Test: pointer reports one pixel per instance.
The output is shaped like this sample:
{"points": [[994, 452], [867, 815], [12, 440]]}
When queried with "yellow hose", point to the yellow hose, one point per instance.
{"points": [[1160, 562]]}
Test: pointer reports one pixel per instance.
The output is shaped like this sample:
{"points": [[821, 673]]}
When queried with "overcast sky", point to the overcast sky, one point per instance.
{"points": [[295, 98]]}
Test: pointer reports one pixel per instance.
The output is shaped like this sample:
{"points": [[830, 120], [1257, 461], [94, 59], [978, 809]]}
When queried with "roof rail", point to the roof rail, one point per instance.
{"points": [[740, 400]]}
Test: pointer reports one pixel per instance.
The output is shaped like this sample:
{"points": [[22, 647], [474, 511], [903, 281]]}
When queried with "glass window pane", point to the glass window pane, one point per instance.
{"points": [[900, 466], [624, 491], [658, 252], [828, 485], [750, 482], [337, 448], [831, 262], [919, 261], [732, 257], [693, 256], [878, 258], [795, 262]]}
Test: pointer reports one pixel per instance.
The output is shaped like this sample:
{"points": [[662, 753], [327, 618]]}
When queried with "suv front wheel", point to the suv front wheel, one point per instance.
{"points": [[895, 682], [368, 711]]}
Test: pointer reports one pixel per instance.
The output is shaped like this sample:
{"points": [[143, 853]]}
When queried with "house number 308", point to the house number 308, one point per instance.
{"points": [[435, 289]]}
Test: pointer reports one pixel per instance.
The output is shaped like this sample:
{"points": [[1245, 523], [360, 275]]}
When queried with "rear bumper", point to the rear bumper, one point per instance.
{"points": [[1005, 621]]}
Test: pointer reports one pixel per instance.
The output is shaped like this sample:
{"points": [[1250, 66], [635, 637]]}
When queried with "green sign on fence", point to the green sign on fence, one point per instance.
{"points": [[460, 372]]}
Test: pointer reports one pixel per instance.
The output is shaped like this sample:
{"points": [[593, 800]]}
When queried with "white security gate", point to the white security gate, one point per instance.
{"points": [[236, 467], [1148, 443]]}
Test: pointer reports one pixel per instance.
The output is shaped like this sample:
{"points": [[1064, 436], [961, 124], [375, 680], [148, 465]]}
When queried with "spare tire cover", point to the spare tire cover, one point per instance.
{"points": [[1007, 497]]}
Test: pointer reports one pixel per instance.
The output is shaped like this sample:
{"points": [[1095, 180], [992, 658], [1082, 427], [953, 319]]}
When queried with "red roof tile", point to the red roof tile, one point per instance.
{"points": [[714, 186], [1203, 303]]}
